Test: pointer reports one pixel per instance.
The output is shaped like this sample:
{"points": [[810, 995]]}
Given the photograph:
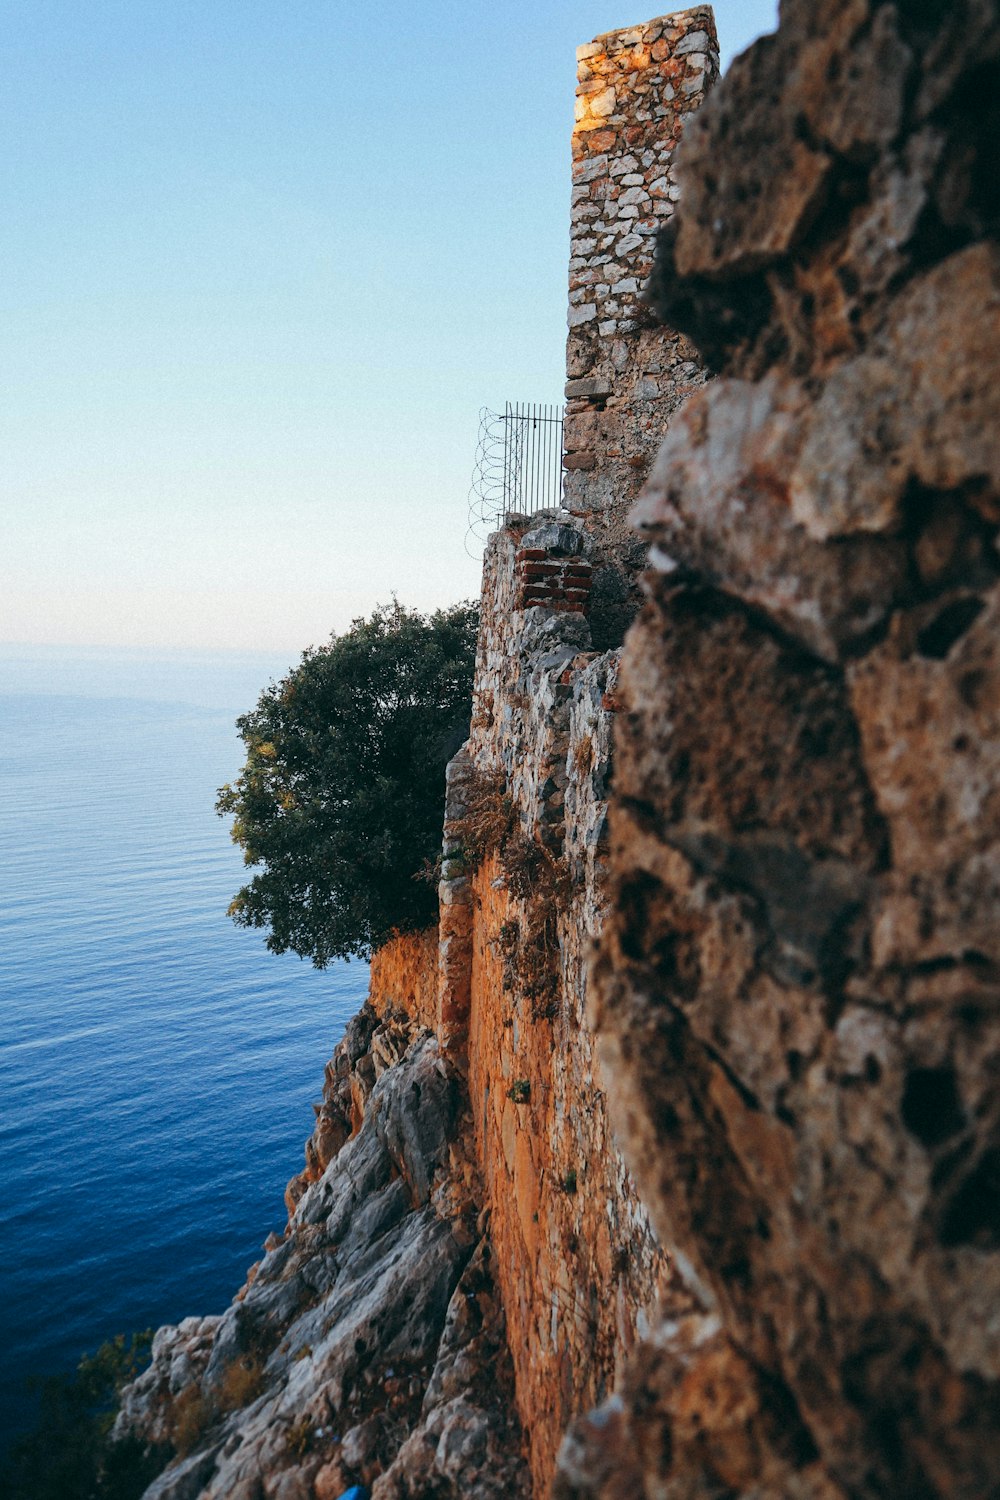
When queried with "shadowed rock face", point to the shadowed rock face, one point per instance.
{"points": [[798, 989]]}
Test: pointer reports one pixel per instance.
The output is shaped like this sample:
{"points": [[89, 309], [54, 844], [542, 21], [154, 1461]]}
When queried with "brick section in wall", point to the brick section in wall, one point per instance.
{"points": [[560, 583], [552, 569], [626, 374]]}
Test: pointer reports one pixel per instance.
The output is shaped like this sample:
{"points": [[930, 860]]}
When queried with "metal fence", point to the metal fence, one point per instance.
{"points": [[518, 466]]}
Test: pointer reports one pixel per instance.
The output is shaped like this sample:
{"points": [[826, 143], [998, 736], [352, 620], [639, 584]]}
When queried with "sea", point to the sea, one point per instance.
{"points": [[157, 1063]]}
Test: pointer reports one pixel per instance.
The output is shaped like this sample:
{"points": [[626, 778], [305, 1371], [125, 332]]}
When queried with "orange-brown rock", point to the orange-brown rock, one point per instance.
{"points": [[758, 1231], [576, 1266], [404, 976]]}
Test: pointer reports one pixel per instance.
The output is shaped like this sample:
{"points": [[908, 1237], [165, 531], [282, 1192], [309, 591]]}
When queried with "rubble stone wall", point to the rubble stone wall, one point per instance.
{"points": [[798, 986], [577, 1264], [636, 91], [502, 982]]}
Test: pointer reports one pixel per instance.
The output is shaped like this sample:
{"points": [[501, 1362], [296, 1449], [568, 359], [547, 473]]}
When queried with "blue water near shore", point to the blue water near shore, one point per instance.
{"points": [[157, 1064]]}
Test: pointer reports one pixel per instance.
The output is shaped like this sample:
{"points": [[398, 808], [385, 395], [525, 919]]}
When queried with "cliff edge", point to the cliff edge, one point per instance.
{"points": [[685, 1116]]}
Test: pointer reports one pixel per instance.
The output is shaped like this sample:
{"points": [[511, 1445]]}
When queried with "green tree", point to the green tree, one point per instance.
{"points": [[342, 794]]}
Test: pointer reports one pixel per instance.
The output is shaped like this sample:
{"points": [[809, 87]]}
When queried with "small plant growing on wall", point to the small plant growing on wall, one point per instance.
{"points": [[242, 1383], [299, 1437], [519, 1091], [583, 756], [508, 942], [508, 935], [489, 817], [535, 875]]}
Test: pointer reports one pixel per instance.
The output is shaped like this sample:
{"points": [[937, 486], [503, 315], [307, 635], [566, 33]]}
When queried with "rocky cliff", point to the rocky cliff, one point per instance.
{"points": [[797, 988], [367, 1347], [467, 1261], [686, 1115]]}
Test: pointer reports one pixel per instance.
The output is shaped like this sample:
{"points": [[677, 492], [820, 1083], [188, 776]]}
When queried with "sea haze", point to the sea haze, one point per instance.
{"points": [[157, 1064]]}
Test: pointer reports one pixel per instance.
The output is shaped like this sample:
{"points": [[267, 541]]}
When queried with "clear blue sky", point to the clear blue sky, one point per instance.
{"points": [[262, 264]]}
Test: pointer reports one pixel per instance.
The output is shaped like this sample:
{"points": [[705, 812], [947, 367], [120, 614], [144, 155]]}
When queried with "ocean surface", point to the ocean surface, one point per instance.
{"points": [[157, 1064]]}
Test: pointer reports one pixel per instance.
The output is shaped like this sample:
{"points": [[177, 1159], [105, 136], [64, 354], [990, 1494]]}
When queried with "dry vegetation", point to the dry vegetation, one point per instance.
{"points": [[535, 876]]}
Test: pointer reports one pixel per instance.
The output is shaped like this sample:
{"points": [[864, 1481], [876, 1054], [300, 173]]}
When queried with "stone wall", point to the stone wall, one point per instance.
{"points": [[798, 988], [576, 1263], [637, 89], [501, 982]]}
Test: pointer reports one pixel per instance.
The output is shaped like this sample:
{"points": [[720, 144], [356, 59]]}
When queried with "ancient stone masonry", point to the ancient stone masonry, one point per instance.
{"points": [[466, 1262], [798, 985], [636, 91], [779, 1278], [579, 1268], [733, 1181]]}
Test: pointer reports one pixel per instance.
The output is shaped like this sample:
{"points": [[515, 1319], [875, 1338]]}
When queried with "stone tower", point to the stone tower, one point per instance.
{"points": [[626, 374]]}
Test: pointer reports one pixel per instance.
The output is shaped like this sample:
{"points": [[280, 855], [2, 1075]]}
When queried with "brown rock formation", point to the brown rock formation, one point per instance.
{"points": [[798, 989], [577, 1264]]}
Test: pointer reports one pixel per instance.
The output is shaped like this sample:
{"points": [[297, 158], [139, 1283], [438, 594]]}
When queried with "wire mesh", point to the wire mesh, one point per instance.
{"points": [[518, 469]]}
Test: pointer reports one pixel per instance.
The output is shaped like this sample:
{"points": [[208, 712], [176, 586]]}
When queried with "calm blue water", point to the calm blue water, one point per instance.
{"points": [[157, 1064]]}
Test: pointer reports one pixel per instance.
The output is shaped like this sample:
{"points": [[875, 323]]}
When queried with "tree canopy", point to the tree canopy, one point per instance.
{"points": [[342, 793]]}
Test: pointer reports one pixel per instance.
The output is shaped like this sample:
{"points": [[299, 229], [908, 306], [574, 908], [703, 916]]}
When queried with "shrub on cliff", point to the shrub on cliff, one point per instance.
{"points": [[342, 794]]}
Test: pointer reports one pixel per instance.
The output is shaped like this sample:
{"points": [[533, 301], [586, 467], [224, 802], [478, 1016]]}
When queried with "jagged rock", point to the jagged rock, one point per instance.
{"points": [[797, 978], [893, 416], [798, 984], [464, 1436], [718, 504], [355, 1331]]}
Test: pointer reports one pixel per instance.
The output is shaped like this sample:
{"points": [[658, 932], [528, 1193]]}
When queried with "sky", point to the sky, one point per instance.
{"points": [[262, 265]]}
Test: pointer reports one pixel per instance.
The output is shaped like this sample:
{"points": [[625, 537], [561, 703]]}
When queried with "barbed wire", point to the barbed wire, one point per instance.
{"points": [[518, 468]]}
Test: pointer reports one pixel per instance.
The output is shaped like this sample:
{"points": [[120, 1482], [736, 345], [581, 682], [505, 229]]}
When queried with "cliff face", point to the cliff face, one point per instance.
{"points": [[464, 1242], [576, 1260], [367, 1347], [731, 1178], [467, 1261], [797, 988]]}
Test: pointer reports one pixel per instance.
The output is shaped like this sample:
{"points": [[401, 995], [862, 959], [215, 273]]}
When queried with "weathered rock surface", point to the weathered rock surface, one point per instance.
{"points": [[577, 1263], [390, 1338], [368, 1344], [798, 984]]}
